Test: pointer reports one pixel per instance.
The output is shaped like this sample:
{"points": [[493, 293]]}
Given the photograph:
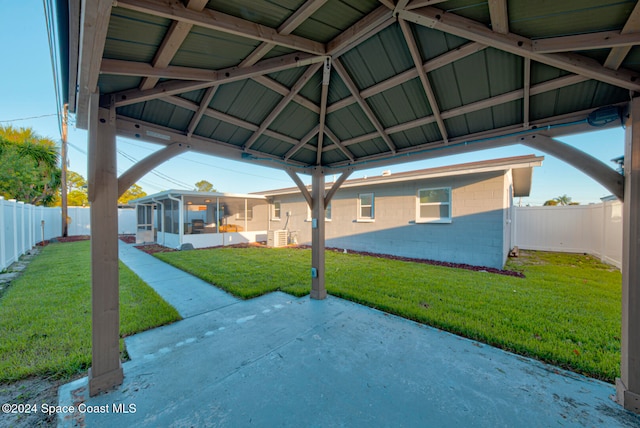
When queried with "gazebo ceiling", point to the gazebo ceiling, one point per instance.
{"points": [[339, 84]]}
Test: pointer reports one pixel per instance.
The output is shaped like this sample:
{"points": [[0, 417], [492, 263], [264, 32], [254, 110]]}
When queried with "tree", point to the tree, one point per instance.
{"points": [[30, 171], [561, 200], [204, 186], [133, 192]]}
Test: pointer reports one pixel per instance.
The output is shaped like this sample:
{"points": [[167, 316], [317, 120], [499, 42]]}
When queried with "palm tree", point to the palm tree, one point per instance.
{"points": [[30, 166]]}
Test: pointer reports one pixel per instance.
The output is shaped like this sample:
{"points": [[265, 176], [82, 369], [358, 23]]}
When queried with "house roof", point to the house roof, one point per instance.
{"points": [[198, 198], [522, 167], [336, 84]]}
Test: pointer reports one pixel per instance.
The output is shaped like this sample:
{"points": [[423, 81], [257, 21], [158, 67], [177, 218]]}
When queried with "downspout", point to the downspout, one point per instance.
{"points": [[180, 216], [162, 225]]}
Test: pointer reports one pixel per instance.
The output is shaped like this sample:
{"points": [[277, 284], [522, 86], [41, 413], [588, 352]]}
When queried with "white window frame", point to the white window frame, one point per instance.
{"points": [[366, 219], [441, 220], [279, 210], [327, 208]]}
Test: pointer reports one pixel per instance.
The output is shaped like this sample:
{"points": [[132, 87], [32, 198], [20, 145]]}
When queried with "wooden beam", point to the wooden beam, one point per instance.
{"points": [[137, 171], [145, 131], [283, 90], [583, 42], [339, 144], [416, 4], [522, 46], [336, 186], [318, 289], [326, 78], [412, 73], [363, 104], [176, 35], [594, 168], [227, 75], [301, 143], [499, 16], [424, 79], [628, 385], [204, 105], [287, 27], [301, 186], [540, 88], [374, 22], [119, 67], [617, 55], [94, 24], [526, 98], [219, 21], [297, 87], [215, 114], [106, 371]]}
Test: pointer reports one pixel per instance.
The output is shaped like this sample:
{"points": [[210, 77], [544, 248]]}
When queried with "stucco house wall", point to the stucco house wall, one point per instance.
{"points": [[476, 235]]}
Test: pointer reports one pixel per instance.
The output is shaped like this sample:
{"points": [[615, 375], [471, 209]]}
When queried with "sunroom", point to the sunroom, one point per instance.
{"points": [[185, 219]]}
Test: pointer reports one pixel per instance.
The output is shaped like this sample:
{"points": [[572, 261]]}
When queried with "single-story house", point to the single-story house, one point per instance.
{"points": [[203, 219], [457, 214]]}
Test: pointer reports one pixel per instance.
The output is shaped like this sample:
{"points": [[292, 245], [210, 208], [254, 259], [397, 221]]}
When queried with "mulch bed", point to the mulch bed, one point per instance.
{"points": [[430, 262], [155, 248]]}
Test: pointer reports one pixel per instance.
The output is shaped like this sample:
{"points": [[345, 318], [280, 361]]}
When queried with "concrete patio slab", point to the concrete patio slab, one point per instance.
{"points": [[282, 361]]}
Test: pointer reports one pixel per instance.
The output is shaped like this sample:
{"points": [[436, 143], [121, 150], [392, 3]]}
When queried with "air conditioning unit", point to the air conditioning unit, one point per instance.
{"points": [[277, 238]]}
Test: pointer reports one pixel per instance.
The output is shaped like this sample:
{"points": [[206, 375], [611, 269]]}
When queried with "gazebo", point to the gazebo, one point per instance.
{"points": [[323, 87]]}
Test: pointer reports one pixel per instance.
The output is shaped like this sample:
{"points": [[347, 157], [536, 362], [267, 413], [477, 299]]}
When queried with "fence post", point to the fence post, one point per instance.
{"points": [[14, 205], [22, 227]]}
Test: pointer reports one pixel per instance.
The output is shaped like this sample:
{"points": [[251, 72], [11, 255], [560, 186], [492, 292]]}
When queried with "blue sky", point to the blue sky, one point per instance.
{"points": [[27, 99]]}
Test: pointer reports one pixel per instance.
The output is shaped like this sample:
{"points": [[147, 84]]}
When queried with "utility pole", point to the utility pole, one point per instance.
{"points": [[63, 174]]}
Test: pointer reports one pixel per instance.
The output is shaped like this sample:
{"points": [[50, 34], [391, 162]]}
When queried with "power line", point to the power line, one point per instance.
{"points": [[28, 118]]}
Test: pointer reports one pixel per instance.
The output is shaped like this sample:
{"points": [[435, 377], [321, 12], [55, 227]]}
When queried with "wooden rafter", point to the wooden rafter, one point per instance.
{"points": [[416, 4], [424, 79], [204, 104], [373, 23], [228, 75], [583, 42], [499, 16], [518, 45], [296, 147], [412, 73], [363, 104], [94, 24], [287, 27], [222, 22], [297, 87], [223, 117], [617, 55], [339, 144], [550, 85], [526, 98], [326, 77], [176, 35]]}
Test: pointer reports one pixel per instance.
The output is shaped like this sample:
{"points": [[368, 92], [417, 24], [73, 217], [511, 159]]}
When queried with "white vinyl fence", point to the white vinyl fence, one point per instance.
{"points": [[594, 229], [23, 225]]}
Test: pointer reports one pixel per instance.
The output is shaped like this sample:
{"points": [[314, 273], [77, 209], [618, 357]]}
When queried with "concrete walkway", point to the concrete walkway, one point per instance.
{"points": [[281, 361]]}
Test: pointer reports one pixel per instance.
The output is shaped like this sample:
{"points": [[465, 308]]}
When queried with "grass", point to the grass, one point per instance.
{"points": [[566, 311], [45, 315]]}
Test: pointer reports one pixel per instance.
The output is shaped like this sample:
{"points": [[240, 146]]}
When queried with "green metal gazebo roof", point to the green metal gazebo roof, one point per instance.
{"points": [[339, 84]]}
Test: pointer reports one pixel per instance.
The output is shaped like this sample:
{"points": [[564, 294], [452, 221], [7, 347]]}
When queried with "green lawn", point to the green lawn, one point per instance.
{"points": [[45, 315], [566, 311]]}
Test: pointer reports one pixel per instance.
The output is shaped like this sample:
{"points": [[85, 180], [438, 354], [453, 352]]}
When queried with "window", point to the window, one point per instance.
{"points": [[276, 210], [434, 205], [365, 207], [327, 213]]}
